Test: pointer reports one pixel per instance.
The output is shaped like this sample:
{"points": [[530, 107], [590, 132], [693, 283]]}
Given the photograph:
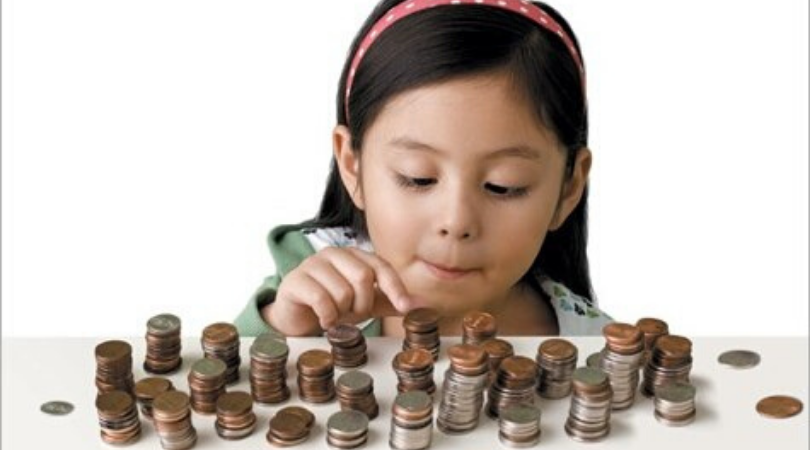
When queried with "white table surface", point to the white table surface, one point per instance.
{"points": [[39, 370]]}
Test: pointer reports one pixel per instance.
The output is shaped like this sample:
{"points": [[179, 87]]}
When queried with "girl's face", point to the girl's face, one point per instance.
{"points": [[460, 184]]}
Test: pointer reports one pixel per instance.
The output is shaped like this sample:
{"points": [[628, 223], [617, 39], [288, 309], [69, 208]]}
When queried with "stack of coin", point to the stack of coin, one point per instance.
{"points": [[556, 361], [147, 389], [114, 367], [347, 429], [355, 391], [589, 417], [621, 360], [290, 426], [411, 421], [519, 426], [422, 330], [414, 369], [348, 346], [221, 341], [118, 417], [498, 350], [206, 381], [235, 418], [477, 327], [163, 344], [172, 414], [463, 389], [514, 385], [670, 361], [675, 404], [316, 382], [268, 370], [652, 329]]}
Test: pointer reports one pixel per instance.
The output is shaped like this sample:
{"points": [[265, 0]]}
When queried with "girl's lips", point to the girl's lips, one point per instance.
{"points": [[447, 274]]}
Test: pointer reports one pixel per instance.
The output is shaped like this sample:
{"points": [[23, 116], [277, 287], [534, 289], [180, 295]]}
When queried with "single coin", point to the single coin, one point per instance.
{"points": [[413, 359], [590, 376], [467, 355], [209, 367], [421, 319], [56, 408], [152, 386], [673, 345], [347, 422], [622, 332], [356, 380], [171, 402], [739, 359], [316, 360], [288, 426], [498, 348], [114, 402], [304, 414], [220, 332], [343, 334], [676, 392], [557, 349], [480, 321], [779, 406], [593, 360], [113, 350], [163, 323], [649, 325], [520, 414], [234, 403], [413, 401], [270, 348], [519, 367]]}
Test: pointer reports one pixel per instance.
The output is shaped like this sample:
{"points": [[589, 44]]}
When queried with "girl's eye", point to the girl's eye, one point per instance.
{"points": [[499, 191], [507, 192], [415, 183]]}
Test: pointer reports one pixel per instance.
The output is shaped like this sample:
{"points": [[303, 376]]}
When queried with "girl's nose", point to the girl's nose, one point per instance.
{"points": [[458, 218]]}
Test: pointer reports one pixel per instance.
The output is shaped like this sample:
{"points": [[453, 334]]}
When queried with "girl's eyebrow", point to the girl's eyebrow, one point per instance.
{"points": [[519, 151]]}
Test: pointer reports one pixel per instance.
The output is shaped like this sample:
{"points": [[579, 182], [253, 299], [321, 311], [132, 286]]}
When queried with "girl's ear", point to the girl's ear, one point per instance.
{"points": [[348, 163], [572, 188]]}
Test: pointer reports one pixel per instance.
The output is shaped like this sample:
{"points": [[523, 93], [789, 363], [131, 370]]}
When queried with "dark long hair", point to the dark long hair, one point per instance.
{"points": [[445, 43]]}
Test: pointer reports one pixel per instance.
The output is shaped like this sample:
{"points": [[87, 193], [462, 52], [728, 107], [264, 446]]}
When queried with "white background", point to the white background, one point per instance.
{"points": [[148, 147]]}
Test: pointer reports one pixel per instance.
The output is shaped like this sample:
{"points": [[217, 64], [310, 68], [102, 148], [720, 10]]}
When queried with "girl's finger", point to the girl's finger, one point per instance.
{"points": [[310, 293], [388, 281], [360, 277], [330, 277]]}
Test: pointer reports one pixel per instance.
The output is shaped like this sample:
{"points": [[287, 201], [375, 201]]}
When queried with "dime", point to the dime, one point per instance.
{"points": [[519, 426], [779, 406], [355, 391], [675, 403], [593, 359], [411, 421], [739, 359], [56, 408], [347, 429]]}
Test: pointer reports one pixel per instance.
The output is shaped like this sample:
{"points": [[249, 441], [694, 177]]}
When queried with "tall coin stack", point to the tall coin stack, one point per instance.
{"points": [[477, 327], [118, 417], [675, 404], [514, 385], [411, 421], [347, 429], [316, 376], [652, 329], [206, 382], [498, 350], [621, 360], [147, 389], [290, 426], [221, 341], [519, 426], [422, 331], [163, 344], [556, 361], [268, 370], [463, 389], [172, 414], [670, 361], [348, 346], [355, 391], [414, 369], [114, 367], [235, 417], [589, 417]]}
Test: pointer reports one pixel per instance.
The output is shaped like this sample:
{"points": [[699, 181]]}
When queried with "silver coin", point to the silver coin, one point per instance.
{"points": [[593, 360], [56, 408], [677, 392], [164, 323], [739, 359], [209, 368]]}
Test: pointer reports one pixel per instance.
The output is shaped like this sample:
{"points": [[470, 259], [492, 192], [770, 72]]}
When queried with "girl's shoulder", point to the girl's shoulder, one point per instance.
{"points": [[576, 315]]}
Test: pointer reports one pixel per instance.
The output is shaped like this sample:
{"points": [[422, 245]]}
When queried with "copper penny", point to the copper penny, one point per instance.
{"points": [[519, 367], [315, 361], [673, 345], [421, 319], [467, 355], [498, 348], [779, 406], [413, 359], [220, 332], [114, 403], [234, 403], [152, 387], [622, 332], [343, 334], [110, 351], [557, 349], [649, 325], [480, 322], [171, 403], [288, 426], [303, 413]]}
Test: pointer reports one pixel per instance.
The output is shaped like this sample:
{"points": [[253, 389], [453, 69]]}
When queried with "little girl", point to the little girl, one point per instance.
{"points": [[459, 180]]}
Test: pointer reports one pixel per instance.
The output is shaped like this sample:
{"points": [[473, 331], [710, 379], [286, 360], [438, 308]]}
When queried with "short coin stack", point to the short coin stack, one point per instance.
{"points": [[477, 327], [463, 389], [316, 376], [556, 360], [221, 341], [348, 346], [147, 389], [172, 415], [163, 344], [414, 369], [675, 404], [519, 426], [355, 391], [589, 417], [652, 329], [118, 417], [206, 382], [621, 359], [498, 350], [514, 385], [670, 361], [422, 331], [411, 421], [268, 370], [290, 426], [347, 429], [114, 367], [235, 418]]}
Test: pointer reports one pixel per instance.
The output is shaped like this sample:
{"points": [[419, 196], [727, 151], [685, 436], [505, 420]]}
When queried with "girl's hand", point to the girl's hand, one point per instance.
{"points": [[337, 284]]}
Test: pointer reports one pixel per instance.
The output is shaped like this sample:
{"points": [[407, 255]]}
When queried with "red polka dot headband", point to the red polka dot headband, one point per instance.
{"points": [[407, 8]]}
